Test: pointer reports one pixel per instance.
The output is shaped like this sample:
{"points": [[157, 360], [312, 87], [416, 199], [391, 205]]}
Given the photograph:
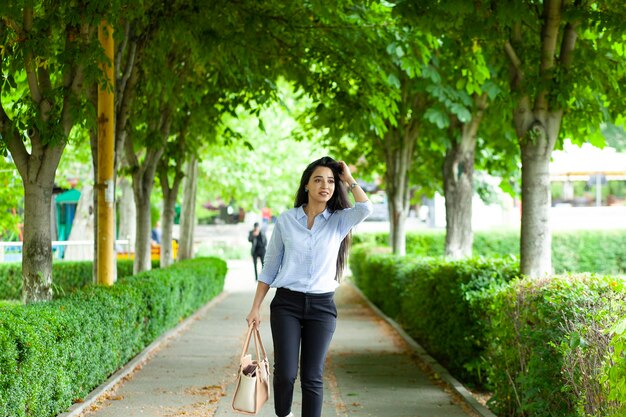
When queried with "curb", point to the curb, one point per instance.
{"points": [[77, 409], [430, 362]]}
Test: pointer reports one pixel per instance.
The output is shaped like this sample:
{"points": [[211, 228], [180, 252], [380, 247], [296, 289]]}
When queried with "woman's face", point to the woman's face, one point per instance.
{"points": [[321, 185]]}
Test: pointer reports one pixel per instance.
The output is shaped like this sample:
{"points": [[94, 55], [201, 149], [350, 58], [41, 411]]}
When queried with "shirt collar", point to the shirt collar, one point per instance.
{"points": [[300, 213]]}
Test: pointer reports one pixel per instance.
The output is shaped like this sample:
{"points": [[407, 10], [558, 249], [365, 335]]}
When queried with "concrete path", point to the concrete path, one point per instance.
{"points": [[370, 371]]}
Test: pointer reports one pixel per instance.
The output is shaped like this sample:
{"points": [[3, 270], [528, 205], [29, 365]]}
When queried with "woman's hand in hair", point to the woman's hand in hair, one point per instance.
{"points": [[345, 175]]}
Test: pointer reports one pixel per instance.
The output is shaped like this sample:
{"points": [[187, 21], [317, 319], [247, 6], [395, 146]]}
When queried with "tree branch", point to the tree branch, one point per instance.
{"points": [[471, 129], [73, 79], [162, 171], [151, 162], [49, 162], [122, 48], [44, 80], [164, 125], [128, 71], [568, 44], [513, 58], [550, 34], [122, 114], [13, 140], [549, 40], [28, 58], [178, 177], [129, 153]]}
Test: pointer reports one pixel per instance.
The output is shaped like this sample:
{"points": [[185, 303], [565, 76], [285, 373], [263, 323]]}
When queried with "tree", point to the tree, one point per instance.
{"points": [[179, 161], [142, 164], [165, 69], [168, 167], [380, 101], [232, 71], [566, 57], [557, 52], [49, 54], [463, 81]]}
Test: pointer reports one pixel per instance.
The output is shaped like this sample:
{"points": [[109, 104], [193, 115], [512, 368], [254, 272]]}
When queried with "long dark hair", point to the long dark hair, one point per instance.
{"points": [[338, 201]]}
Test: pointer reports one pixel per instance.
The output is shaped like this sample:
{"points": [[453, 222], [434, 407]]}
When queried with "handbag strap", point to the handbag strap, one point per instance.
{"points": [[257, 335], [257, 343]]}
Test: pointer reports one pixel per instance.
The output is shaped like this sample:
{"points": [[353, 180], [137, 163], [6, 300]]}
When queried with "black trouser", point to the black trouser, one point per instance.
{"points": [[303, 322], [256, 256]]}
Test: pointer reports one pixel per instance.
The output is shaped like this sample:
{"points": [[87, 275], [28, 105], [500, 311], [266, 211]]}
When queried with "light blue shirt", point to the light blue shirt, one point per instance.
{"points": [[305, 260]]}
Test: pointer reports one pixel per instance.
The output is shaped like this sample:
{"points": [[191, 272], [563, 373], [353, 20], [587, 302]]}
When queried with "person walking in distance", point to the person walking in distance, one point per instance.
{"points": [[305, 258], [259, 242]]}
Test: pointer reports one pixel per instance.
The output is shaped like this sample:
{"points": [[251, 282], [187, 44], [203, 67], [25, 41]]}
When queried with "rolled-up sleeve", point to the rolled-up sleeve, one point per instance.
{"points": [[273, 256], [352, 216]]}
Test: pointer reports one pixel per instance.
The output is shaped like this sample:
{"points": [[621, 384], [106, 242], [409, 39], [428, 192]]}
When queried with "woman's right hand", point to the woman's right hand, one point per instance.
{"points": [[254, 317]]}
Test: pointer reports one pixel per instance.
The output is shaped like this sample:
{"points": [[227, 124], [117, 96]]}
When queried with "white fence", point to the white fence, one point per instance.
{"points": [[68, 250]]}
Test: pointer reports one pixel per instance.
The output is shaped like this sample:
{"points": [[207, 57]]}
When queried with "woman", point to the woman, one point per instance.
{"points": [[304, 261]]}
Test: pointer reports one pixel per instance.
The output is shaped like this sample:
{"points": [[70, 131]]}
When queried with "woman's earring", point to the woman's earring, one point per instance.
{"points": [[306, 190]]}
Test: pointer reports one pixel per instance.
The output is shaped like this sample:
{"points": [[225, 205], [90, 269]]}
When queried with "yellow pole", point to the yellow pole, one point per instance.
{"points": [[106, 273]]}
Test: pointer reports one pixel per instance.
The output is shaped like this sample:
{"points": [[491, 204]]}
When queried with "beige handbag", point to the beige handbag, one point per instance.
{"points": [[253, 379]]}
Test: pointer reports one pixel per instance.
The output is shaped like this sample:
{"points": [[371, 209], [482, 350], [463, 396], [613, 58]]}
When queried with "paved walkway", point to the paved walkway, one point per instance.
{"points": [[370, 371]]}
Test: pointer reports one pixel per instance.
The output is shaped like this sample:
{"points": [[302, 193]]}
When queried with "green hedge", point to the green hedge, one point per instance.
{"points": [[549, 349], [433, 300], [67, 276], [53, 353], [542, 346], [599, 251], [615, 369]]}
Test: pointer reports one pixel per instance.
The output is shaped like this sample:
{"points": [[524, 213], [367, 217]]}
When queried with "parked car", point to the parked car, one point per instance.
{"points": [[381, 209]]}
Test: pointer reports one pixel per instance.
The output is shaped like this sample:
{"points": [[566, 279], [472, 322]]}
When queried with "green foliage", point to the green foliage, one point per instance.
{"points": [[54, 353], [615, 370], [599, 251], [548, 346], [436, 302], [268, 174], [68, 277], [11, 194], [466, 80], [52, 42]]}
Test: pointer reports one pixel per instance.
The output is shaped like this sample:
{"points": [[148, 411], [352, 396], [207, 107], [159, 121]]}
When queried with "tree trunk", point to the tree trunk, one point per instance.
{"points": [[535, 236], [458, 189], [167, 224], [37, 249], [399, 145], [37, 157], [397, 224], [170, 195], [188, 210], [458, 185], [537, 120], [143, 181], [144, 227], [128, 215], [37, 171]]}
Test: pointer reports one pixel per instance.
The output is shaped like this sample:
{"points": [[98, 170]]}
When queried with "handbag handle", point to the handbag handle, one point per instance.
{"points": [[252, 329]]}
